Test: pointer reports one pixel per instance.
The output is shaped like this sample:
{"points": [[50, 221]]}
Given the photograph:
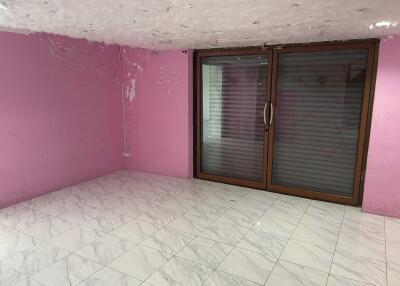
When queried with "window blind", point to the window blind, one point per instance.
{"points": [[318, 110], [233, 98]]}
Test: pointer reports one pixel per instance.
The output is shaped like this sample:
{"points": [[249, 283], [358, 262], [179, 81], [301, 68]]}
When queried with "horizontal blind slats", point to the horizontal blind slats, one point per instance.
{"points": [[318, 107], [233, 97]]}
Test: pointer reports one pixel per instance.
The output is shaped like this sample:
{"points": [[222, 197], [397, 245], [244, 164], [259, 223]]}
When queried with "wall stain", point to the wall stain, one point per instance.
{"points": [[83, 56]]}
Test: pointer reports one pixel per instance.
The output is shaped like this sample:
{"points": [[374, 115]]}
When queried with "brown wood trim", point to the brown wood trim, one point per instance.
{"points": [[198, 115], [194, 112], [231, 181], [272, 127], [354, 199], [235, 52], [363, 125], [198, 80], [369, 120], [265, 46], [273, 54], [266, 133], [311, 194], [327, 47]]}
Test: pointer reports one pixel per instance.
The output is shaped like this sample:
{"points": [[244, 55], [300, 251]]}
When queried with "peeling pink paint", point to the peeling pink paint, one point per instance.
{"points": [[382, 182], [131, 90], [159, 118], [60, 113]]}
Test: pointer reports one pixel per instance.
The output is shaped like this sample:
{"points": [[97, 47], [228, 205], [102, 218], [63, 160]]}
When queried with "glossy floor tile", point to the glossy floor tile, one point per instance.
{"points": [[132, 228]]}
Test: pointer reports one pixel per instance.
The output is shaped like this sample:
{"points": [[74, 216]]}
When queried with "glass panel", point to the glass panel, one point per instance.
{"points": [[234, 92], [318, 102]]}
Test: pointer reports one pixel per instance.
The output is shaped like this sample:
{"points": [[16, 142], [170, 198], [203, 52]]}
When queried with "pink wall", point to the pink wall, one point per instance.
{"points": [[61, 116], [60, 113], [382, 182], [158, 109]]}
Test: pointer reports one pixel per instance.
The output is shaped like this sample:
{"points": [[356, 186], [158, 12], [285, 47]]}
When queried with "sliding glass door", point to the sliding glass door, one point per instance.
{"points": [[231, 117], [320, 97], [287, 119]]}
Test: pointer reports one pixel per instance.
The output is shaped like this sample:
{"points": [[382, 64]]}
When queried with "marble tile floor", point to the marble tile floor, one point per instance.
{"points": [[132, 228]]}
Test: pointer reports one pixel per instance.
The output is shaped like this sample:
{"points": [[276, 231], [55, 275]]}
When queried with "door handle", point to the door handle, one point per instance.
{"points": [[265, 107], [271, 114]]}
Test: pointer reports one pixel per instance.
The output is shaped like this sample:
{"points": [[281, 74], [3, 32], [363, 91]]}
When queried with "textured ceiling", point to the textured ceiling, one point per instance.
{"points": [[167, 24]]}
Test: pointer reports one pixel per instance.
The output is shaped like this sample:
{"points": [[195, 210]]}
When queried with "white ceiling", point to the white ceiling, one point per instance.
{"points": [[167, 24]]}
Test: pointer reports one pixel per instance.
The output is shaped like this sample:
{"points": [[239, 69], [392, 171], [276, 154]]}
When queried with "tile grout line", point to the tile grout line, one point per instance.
{"points": [[172, 256], [337, 241], [40, 241], [163, 226], [195, 236], [386, 260], [249, 229], [214, 270], [175, 255], [283, 249], [137, 244], [233, 246], [76, 224], [106, 266]]}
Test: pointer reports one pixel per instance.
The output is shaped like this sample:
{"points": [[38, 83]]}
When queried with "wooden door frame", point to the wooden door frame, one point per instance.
{"points": [[373, 46], [198, 112], [363, 139]]}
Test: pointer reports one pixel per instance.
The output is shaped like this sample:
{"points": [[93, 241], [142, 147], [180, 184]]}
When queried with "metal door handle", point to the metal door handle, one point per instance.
{"points": [[271, 114], [265, 107]]}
